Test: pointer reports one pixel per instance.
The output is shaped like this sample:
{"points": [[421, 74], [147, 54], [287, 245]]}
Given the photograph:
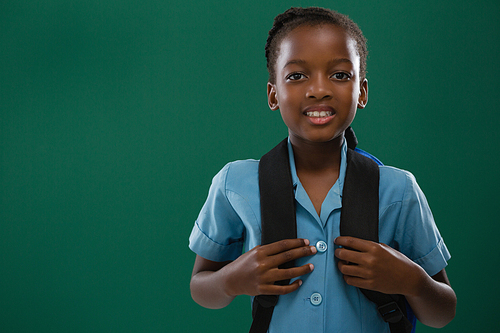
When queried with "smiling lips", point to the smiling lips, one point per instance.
{"points": [[320, 116]]}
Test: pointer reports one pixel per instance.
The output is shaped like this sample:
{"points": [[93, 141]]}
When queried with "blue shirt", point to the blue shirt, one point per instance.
{"points": [[229, 223]]}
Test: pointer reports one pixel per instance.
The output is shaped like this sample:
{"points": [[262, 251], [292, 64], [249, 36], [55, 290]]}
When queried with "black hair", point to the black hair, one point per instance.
{"points": [[297, 16]]}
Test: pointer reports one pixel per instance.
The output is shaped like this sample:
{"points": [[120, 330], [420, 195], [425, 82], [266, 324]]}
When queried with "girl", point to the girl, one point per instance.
{"points": [[316, 60]]}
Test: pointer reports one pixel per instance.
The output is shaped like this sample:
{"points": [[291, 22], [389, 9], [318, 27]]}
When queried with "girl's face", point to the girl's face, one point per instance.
{"points": [[318, 87]]}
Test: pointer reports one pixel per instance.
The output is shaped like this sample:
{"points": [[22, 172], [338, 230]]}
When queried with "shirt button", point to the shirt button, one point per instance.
{"points": [[321, 246], [316, 299]]}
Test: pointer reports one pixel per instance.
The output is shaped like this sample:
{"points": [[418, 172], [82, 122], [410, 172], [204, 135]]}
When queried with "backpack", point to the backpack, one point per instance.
{"points": [[359, 203]]}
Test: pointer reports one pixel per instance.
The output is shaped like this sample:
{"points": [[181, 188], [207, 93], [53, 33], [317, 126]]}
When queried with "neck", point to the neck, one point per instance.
{"points": [[317, 156]]}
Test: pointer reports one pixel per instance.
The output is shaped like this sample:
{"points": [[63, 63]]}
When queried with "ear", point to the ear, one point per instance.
{"points": [[363, 94], [272, 98]]}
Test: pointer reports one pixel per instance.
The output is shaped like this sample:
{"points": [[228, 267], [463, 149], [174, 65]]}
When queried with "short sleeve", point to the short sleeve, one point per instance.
{"points": [[218, 231], [417, 233]]}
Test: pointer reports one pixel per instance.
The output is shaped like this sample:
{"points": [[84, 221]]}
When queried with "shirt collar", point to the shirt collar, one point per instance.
{"points": [[333, 199], [343, 166], [291, 158]]}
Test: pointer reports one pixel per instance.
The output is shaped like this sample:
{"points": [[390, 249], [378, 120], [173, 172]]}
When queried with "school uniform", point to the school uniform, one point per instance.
{"points": [[230, 223]]}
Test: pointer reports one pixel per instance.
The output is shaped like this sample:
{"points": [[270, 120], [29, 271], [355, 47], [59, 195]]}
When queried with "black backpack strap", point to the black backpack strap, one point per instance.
{"points": [[359, 218], [392, 308], [277, 207], [350, 137], [361, 184], [279, 222], [277, 200]]}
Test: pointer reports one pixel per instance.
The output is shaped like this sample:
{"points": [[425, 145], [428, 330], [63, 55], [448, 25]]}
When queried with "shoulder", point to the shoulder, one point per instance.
{"points": [[397, 183], [367, 154], [238, 174], [242, 166], [395, 175]]}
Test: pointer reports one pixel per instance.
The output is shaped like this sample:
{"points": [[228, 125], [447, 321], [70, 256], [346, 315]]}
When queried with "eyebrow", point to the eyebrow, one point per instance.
{"points": [[295, 61], [332, 62]]}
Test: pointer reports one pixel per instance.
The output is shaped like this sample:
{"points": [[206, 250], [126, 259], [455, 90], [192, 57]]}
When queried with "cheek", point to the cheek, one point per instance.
{"points": [[288, 98], [280, 95], [352, 114], [352, 97], [290, 119]]}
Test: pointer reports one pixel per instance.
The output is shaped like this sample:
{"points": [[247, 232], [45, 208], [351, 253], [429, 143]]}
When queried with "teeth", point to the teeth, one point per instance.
{"points": [[318, 114]]}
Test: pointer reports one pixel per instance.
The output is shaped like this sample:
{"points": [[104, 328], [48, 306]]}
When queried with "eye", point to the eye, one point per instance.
{"points": [[342, 76], [295, 76]]}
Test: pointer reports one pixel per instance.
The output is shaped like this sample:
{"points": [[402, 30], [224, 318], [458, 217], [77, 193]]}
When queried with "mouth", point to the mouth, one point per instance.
{"points": [[319, 114]]}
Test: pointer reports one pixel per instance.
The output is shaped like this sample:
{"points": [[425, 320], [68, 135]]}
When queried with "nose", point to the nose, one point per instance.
{"points": [[319, 88]]}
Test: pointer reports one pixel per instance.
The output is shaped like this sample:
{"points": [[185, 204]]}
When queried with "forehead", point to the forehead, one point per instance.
{"points": [[319, 42]]}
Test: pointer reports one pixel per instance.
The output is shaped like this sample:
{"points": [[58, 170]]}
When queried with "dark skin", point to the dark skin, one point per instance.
{"points": [[317, 70], [379, 267], [215, 284]]}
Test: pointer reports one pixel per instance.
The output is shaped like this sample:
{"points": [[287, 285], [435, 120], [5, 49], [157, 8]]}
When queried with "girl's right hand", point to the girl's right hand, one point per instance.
{"points": [[256, 271]]}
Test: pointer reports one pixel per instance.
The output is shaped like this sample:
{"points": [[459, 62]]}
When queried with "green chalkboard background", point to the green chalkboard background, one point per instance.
{"points": [[115, 115]]}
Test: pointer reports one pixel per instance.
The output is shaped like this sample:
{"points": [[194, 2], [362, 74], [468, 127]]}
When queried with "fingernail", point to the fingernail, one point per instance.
{"points": [[306, 241], [314, 249], [311, 266], [300, 282]]}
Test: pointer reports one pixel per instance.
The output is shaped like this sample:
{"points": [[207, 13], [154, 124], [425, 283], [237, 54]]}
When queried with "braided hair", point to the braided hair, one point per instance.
{"points": [[295, 17]]}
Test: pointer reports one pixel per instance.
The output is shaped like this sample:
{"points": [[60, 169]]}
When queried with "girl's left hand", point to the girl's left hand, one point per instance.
{"points": [[376, 266]]}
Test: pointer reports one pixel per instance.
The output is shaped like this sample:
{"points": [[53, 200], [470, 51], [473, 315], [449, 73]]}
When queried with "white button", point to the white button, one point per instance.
{"points": [[316, 299], [321, 246]]}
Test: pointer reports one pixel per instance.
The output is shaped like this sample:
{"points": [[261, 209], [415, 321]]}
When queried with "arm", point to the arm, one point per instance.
{"points": [[215, 284], [378, 267], [434, 301], [206, 290]]}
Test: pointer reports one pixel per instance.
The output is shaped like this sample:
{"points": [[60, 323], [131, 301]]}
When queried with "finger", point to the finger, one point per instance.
{"points": [[356, 282], [291, 273], [273, 289], [349, 255], [352, 270], [284, 245], [281, 258], [354, 243]]}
